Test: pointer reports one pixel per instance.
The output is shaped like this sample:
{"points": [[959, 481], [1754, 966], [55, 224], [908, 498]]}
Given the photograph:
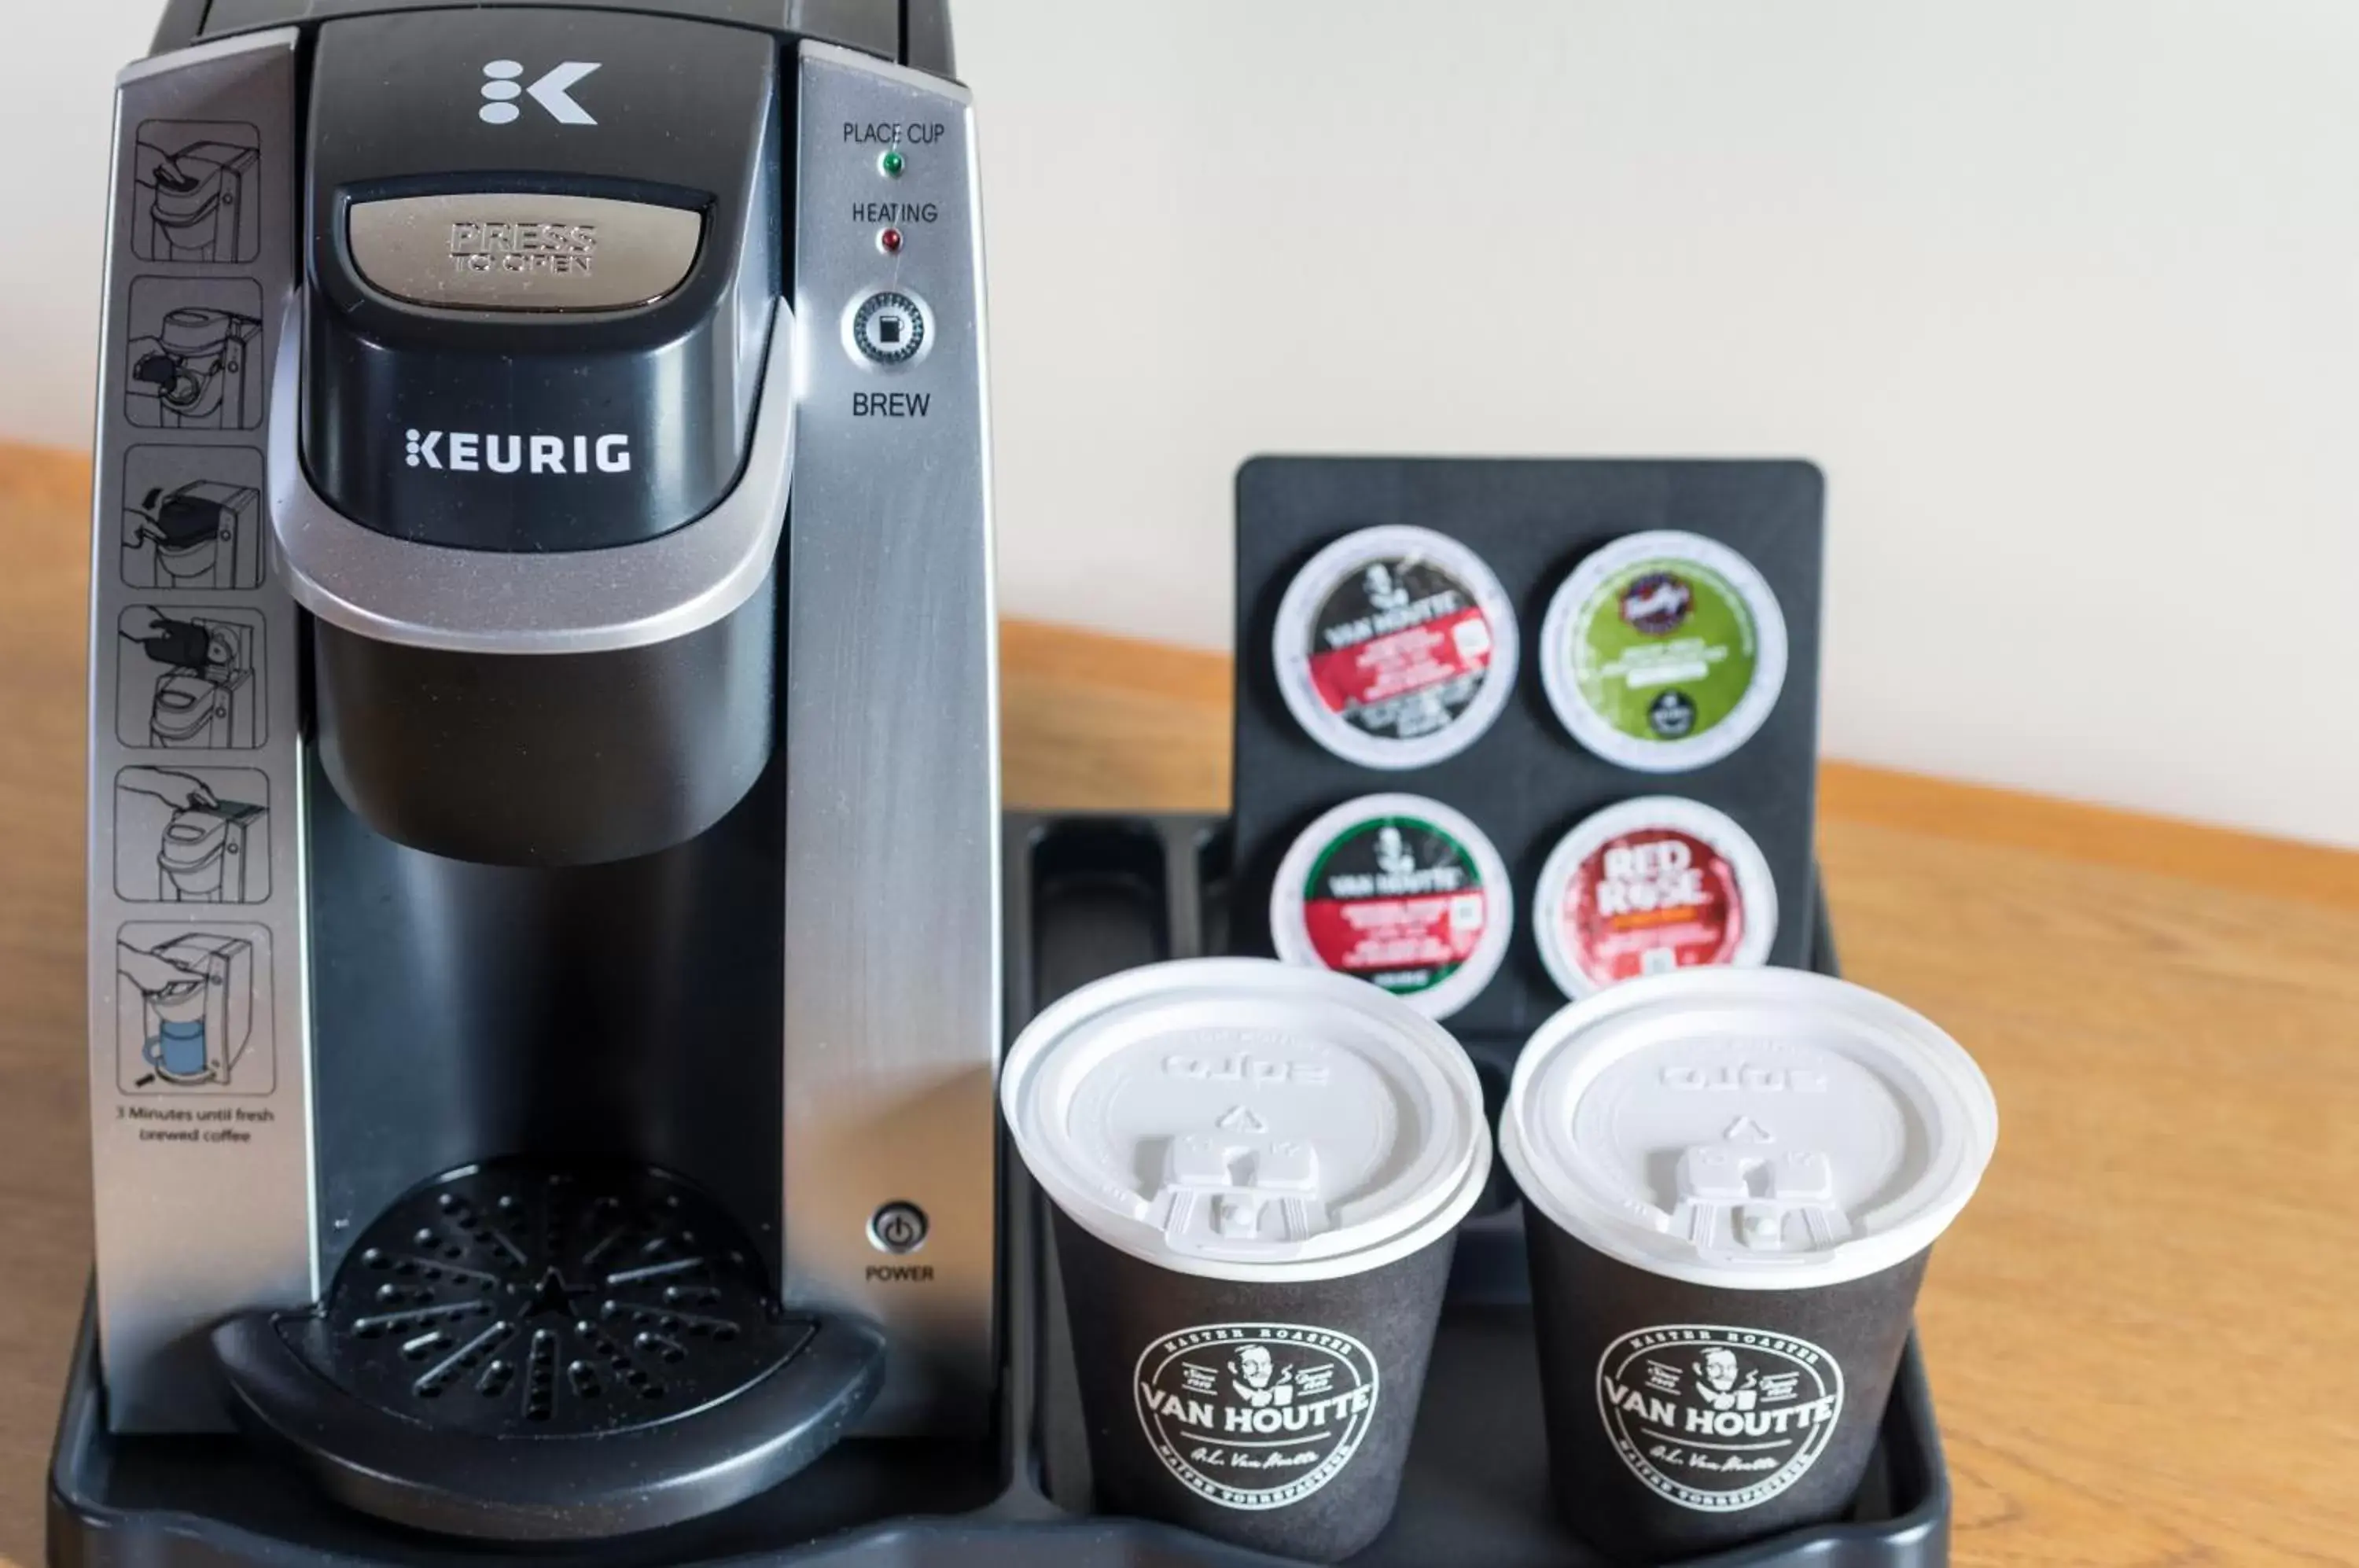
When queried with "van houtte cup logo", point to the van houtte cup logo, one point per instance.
{"points": [[1255, 1416], [1718, 1419]]}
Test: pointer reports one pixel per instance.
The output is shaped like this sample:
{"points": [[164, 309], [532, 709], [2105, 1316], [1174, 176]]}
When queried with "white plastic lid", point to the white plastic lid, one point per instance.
{"points": [[1240, 1119], [1401, 891], [1679, 662], [1396, 647], [1754, 1129], [1648, 886]]}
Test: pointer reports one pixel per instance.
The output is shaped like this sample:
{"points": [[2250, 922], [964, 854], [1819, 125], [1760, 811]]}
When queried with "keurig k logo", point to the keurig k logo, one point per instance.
{"points": [[471, 451], [552, 92]]}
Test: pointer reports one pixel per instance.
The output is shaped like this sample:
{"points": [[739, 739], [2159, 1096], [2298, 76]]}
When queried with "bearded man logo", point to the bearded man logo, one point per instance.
{"points": [[1384, 591], [1720, 1384], [1257, 1381]]}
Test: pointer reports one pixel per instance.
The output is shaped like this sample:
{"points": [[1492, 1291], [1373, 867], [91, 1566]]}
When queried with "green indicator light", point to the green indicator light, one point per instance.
{"points": [[891, 164]]}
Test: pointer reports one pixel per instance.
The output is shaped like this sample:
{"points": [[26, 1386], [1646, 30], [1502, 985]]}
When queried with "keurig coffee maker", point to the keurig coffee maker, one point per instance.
{"points": [[575, 1111]]}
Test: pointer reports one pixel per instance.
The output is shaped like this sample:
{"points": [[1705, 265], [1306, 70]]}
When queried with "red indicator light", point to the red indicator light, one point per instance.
{"points": [[889, 241]]}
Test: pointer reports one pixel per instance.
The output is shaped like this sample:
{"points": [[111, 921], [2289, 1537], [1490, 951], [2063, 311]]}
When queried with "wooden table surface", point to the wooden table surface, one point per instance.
{"points": [[2144, 1335]]}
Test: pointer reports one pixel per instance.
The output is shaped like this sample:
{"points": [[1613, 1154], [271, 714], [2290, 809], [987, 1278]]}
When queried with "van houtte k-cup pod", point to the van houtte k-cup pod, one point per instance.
{"points": [[1399, 890], [1663, 651], [1396, 647], [1733, 1177], [1648, 886], [1255, 1173]]}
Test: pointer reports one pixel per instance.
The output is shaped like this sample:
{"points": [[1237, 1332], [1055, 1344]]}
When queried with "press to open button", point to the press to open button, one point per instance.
{"points": [[488, 250], [889, 327]]}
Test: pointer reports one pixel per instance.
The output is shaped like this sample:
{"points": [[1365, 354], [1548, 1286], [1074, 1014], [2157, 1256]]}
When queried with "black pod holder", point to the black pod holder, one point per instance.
{"points": [[588, 1349], [1526, 782]]}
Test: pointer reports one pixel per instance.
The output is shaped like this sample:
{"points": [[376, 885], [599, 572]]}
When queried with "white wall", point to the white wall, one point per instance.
{"points": [[56, 106], [2063, 294]]}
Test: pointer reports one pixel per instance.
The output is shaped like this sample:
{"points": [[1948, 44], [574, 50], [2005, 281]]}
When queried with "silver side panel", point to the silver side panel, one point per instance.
{"points": [[200, 1081], [892, 940]]}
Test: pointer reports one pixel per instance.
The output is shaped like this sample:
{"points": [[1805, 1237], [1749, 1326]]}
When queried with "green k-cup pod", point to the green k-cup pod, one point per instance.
{"points": [[1399, 890], [1663, 651], [1256, 1173], [1396, 647], [1732, 1179]]}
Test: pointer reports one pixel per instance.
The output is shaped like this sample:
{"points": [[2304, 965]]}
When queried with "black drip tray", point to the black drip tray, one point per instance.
{"points": [[511, 1301], [526, 1351], [1086, 896]]}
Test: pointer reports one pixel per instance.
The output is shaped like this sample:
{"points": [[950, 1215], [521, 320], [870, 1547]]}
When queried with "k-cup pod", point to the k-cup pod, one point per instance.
{"points": [[1663, 651], [1256, 1172], [1400, 891], [1731, 1177], [1396, 647], [1648, 886]]}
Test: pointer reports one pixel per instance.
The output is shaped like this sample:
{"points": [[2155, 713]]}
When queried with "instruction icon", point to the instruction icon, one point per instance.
{"points": [[193, 1010]]}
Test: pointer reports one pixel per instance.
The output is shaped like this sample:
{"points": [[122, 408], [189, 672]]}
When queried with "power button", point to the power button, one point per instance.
{"points": [[888, 328], [898, 1228]]}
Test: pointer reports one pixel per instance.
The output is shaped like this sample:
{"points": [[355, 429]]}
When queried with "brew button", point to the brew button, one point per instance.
{"points": [[889, 327], [898, 1228]]}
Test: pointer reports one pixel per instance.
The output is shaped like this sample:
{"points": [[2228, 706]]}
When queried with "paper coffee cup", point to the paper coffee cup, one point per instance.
{"points": [[1396, 647], [1256, 1173], [1732, 1178]]}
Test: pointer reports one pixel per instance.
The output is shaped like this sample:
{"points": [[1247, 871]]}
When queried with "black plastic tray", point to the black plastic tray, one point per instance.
{"points": [[1086, 895]]}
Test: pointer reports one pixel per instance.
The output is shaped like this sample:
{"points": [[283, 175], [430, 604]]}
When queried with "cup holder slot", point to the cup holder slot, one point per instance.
{"points": [[1100, 902]]}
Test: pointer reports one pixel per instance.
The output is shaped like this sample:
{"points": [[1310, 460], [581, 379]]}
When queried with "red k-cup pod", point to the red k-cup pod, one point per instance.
{"points": [[1396, 647], [1650, 886], [1256, 1173], [1399, 890], [1732, 1178]]}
